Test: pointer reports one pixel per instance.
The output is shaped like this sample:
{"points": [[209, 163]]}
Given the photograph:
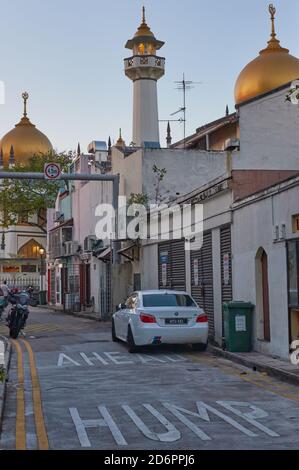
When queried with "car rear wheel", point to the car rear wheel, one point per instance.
{"points": [[113, 334], [131, 343], [199, 346]]}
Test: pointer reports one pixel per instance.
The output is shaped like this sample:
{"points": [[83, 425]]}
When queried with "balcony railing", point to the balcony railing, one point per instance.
{"points": [[145, 61]]}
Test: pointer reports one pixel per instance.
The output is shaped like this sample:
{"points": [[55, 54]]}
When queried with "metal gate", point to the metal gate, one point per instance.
{"points": [[52, 287], [171, 262], [72, 288], [202, 278], [105, 291]]}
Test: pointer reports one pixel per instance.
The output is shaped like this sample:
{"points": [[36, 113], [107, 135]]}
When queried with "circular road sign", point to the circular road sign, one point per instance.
{"points": [[52, 171]]}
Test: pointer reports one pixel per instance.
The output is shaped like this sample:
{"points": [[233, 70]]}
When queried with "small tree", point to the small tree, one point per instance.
{"points": [[144, 199], [19, 198], [160, 174]]}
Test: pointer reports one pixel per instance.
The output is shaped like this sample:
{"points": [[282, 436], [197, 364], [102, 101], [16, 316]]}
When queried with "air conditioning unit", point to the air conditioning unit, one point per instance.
{"points": [[89, 242], [232, 144], [71, 248]]}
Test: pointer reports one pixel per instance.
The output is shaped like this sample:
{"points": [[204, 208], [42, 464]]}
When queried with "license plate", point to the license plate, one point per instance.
{"points": [[176, 321]]}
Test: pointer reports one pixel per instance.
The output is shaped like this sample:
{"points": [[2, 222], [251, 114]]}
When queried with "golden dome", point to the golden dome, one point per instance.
{"points": [[144, 29], [25, 139], [271, 69]]}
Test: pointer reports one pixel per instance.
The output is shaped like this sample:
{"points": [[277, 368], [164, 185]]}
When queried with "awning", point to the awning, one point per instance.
{"points": [[105, 255], [124, 251]]}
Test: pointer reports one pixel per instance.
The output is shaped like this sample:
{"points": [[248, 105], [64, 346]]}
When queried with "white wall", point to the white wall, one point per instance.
{"points": [[85, 199], [130, 170], [268, 134], [252, 229], [186, 169], [149, 266]]}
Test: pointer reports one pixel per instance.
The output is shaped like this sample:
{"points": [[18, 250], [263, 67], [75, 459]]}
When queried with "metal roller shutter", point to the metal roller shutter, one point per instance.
{"points": [[172, 271], [226, 264], [202, 278]]}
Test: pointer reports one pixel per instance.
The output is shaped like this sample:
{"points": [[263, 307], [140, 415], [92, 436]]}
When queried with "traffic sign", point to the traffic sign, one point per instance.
{"points": [[52, 171]]}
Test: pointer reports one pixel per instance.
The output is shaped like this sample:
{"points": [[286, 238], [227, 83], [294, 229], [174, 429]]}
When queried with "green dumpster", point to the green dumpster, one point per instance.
{"points": [[238, 326]]}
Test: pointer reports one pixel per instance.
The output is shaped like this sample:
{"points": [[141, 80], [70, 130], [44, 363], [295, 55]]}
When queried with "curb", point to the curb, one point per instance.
{"points": [[259, 366], [3, 385]]}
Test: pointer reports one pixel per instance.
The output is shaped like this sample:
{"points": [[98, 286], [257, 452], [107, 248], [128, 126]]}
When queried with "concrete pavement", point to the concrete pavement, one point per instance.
{"points": [[283, 370], [71, 387]]}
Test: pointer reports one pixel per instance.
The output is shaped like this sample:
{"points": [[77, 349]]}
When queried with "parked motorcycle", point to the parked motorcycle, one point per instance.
{"points": [[18, 314], [33, 300]]}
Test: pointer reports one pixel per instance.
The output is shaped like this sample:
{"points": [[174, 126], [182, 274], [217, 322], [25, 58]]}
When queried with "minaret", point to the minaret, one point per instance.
{"points": [[145, 68], [168, 138], [120, 142]]}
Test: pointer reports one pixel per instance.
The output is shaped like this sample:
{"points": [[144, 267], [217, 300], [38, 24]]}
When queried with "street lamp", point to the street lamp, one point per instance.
{"points": [[41, 252]]}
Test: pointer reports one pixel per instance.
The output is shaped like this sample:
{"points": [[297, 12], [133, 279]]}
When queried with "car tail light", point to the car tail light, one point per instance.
{"points": [[202, 319], [145, 318]]}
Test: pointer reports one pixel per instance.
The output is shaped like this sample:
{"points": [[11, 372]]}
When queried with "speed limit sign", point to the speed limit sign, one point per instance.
{"points": [[52, 171]]}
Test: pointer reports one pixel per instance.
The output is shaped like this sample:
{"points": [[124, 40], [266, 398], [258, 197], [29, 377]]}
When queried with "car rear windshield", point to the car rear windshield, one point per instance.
{"points": [[168, 300]]}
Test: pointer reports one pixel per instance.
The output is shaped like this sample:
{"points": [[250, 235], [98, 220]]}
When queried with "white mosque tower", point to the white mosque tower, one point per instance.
{"points": [[145, 68]]}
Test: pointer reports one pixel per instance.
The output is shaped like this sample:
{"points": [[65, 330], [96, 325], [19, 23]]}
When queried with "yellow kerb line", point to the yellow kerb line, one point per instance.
{"points": [[230, 371], [41, 433], [20, 417]]}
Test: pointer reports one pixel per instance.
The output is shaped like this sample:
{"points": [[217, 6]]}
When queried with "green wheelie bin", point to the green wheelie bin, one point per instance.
{"points": [[238, 326]]}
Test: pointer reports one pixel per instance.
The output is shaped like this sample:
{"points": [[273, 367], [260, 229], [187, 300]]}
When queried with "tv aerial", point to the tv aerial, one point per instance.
{"points": [[184, 86]]}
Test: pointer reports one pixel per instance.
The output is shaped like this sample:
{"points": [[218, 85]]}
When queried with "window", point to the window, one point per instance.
{"points": [[168, 300], [28, 268], [141, 49], [30, 250]]}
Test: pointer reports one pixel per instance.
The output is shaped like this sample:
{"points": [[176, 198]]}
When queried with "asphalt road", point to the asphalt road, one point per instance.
{"points": [[71, 387]]}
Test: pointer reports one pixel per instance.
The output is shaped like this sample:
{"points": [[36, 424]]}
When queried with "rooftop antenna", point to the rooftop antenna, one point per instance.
{"points": [[184, 86]]}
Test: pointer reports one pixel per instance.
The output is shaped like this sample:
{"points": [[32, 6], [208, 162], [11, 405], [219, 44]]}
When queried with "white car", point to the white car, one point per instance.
{"points": [[160, 317]]}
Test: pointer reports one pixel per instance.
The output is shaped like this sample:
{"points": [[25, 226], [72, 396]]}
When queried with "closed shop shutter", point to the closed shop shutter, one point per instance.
{"points": [[226, 264], [202, 278], [172, 271], [226, 267]]}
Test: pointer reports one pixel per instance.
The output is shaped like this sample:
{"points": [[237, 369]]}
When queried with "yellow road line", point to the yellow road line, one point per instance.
{"points": [[41, 433], [230, 371], [20, 417]]}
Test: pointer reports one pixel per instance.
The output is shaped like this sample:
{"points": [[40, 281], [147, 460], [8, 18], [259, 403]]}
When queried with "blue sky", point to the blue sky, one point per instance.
{"points": [[68, 54]]}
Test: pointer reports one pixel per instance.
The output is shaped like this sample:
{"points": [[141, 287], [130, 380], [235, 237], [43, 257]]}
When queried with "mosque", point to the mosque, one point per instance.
{"points": [[247, 181], [22, 244]]}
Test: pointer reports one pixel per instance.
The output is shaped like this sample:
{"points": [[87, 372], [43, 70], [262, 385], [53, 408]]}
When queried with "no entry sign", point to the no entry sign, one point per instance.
{"points": [[52, 171]]}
